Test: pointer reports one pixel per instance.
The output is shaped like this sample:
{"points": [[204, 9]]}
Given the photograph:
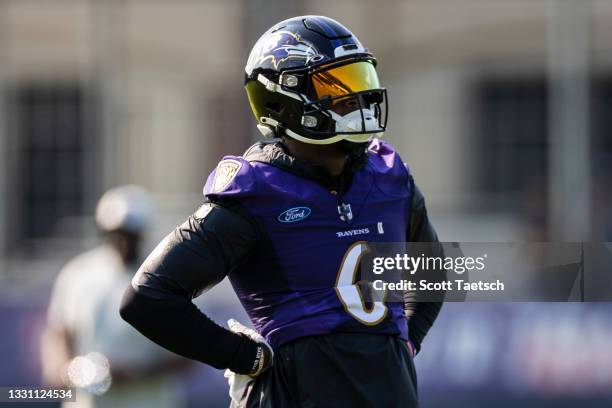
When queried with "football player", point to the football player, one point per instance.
{"points": [[287, 223], [85, 343]]}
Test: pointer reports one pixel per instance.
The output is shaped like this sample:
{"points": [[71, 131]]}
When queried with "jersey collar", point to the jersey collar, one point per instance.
{"points": [[275, 153]]}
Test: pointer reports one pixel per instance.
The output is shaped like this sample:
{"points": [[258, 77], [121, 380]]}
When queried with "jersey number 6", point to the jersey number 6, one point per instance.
{"points": [[348, 291]]}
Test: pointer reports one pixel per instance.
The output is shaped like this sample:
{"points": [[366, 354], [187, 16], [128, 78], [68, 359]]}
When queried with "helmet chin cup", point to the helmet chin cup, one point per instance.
{"points": [[357, 121]]}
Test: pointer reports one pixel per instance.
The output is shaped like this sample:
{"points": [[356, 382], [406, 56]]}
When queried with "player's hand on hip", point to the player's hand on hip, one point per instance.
{"points": [[265, 354], [239, 383]]}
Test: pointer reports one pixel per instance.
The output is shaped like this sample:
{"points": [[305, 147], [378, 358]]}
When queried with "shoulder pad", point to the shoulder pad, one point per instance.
{"points": [[233, 176], [385, 159], [392, 175]]}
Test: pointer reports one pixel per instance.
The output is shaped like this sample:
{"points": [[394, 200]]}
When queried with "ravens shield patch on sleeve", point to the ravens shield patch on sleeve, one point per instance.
{"points": [[226, 171]]}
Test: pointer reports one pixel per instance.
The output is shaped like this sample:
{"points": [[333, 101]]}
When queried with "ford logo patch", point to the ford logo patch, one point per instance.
{"points": [[294, 214]]}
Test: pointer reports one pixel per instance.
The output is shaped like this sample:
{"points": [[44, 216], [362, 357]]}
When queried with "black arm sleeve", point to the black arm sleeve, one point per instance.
{"points": [[195, 256], [421, 315]]}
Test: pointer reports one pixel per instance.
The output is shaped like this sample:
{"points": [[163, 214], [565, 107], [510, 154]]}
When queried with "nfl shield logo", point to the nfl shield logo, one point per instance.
{"points": [[345, 212]]}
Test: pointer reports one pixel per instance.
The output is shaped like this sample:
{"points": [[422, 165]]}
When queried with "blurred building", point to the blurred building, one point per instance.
{"points": [[95, 94], [500, 108]]}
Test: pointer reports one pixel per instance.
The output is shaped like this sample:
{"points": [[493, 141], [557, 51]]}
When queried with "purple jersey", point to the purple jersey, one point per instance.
{"points": [[299, 281]]}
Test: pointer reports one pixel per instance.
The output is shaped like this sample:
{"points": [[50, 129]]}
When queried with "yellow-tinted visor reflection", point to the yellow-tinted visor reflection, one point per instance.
{"points": [[355, 77]]}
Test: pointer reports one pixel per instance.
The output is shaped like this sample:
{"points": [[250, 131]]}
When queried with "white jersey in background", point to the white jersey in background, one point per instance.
{"points": [[85, 301]]}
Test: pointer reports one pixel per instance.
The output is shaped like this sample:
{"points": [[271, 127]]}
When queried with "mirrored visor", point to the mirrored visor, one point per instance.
{"points": [[345, 79]]}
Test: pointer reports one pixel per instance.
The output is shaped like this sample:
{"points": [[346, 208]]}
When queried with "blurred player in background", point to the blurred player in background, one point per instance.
{"points": [[287, 222], [86, 343]]}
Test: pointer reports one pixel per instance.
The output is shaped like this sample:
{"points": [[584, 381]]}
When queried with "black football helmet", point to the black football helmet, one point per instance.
{"points": [[310, 78]]}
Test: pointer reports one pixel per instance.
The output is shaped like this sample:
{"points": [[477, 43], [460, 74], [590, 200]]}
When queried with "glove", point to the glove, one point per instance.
{"points": [[265, 354], [239, 383]]}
